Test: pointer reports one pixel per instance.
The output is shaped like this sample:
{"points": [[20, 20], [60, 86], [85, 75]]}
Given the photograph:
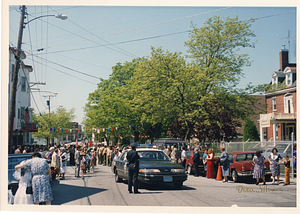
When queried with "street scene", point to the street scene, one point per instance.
{"points": [[160, 106], [101, 189]]}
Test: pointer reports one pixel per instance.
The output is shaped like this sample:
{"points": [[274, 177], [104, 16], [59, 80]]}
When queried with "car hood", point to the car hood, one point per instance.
{"points": [[159, 164]]}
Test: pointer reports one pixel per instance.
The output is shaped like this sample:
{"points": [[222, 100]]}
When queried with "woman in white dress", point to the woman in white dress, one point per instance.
{"points": [[63, 162], [23, 195]]}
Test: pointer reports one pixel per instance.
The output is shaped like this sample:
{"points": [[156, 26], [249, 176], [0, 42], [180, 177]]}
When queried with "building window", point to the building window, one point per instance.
{"points": [[274, 80], [19, 113], [274, 104], [289, 80], [23, 87], [288, 103]]}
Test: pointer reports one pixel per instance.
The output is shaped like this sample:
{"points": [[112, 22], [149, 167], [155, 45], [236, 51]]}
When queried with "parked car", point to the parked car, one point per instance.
{"points": [[13, 160], [241, 165], [283, 150], [170, 142], [190, 168], [154, 167]]}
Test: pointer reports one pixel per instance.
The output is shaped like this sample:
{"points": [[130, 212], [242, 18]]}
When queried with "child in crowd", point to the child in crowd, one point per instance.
{"points": [[287, 170]]}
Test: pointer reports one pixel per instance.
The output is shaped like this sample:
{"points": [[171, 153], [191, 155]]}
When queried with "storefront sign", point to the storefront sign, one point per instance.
{"points": [[30, 127]]}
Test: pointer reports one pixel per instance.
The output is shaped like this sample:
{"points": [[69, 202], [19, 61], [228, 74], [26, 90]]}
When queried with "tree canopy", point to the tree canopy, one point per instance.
{"points": [[62, 118], [186, 96]]}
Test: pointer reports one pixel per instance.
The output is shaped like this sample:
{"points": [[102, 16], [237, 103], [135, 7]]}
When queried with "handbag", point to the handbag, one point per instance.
{"points": [[29, 190]]}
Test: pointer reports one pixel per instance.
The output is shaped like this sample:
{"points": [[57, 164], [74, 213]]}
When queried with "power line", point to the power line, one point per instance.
{"points": [[46, 60], [66, 73], [147, 26], [123, 42]]}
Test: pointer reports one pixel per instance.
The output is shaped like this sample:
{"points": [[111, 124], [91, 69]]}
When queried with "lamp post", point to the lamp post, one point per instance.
{"points": [[16, 73]]}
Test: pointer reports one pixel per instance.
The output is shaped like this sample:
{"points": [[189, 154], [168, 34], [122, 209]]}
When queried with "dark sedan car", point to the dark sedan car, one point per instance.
{"points": [[154, 167]]}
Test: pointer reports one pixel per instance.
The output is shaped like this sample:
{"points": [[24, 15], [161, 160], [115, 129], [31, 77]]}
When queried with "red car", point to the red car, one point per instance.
{"points": [[241, 165], [189, 166]]}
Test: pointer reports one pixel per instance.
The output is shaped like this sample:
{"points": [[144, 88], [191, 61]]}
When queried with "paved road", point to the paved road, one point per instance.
{"points": [[101, 189]]}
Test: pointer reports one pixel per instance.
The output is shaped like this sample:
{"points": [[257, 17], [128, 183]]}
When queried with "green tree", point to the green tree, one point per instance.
{"points": [[250, 131], [62, 118]]}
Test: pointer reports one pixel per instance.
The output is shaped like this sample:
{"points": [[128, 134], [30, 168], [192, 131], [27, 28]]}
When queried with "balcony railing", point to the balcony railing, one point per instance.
{"points": [[284, 116]]}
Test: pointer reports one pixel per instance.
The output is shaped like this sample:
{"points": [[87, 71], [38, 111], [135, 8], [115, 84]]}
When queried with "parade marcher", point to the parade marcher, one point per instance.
{"points": [[287, 164], [55, 164], [41, 187], [24, 192], [204, 160], [93, 161], [77, 161], [210, 164], [196, 160], [133, 168], [88, 159], [63, 163], [101, 153], [72, 153], [259, 171], [275, 164], [225, 164], [174, 154], [183, 157], [98, 153], [84, 161], [104, 155]]}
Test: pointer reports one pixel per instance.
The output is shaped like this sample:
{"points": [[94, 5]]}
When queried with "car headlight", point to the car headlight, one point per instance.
{"points": [[178, 170], [149, 170]]}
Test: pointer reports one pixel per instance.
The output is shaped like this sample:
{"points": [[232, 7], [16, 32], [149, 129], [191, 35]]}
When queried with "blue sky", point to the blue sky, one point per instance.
{"points": [[95, 38]]}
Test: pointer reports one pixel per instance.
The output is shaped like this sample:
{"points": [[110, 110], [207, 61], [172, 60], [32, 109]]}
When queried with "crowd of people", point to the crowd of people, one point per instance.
{"points": [[33, 174]]}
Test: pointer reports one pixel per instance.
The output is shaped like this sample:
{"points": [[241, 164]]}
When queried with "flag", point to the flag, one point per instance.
{"points": [[26, 115], [90, 144]]}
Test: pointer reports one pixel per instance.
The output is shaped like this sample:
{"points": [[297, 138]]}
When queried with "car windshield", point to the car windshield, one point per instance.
{"points": [[153, 155]]}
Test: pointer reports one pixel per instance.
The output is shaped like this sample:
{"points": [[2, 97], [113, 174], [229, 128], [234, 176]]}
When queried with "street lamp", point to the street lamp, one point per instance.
{"points": [[60, 16], [16, 73]]}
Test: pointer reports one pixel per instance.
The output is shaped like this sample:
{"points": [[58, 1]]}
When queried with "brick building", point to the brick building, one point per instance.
{"points": [[279, 124]]}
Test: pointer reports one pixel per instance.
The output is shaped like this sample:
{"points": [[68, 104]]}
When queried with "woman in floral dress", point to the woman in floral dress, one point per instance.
{"points": [[275, 164], [259, 171], [40, 182]]}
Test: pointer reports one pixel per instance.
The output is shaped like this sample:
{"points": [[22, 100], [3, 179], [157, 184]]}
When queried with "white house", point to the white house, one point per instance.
{"points": [[22, 99]]}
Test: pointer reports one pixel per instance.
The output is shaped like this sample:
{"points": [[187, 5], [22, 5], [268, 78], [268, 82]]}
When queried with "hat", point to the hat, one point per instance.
{"points": [[51, 148], [133, 145], [89, 149]]}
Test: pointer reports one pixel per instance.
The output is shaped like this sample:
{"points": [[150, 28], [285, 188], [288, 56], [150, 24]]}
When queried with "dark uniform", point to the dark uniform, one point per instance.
{"points": [[196, 160], [133, 170]]}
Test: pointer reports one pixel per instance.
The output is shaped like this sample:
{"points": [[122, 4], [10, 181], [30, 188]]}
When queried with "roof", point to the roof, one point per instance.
{"points": [[237, 153]]}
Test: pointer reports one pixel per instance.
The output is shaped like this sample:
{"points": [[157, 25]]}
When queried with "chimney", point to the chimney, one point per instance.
{"points": [[283, 58]]}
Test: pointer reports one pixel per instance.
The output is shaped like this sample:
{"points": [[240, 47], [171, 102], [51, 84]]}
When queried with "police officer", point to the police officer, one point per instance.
{"points": [[133, 168]]}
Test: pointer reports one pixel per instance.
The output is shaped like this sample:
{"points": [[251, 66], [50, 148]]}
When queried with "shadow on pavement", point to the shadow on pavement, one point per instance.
{"points": [[159, 187], [64, 193]]}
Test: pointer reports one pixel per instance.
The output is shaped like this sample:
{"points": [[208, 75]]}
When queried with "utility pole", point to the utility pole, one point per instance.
{"points": [[15, 81], [48, 104]]}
